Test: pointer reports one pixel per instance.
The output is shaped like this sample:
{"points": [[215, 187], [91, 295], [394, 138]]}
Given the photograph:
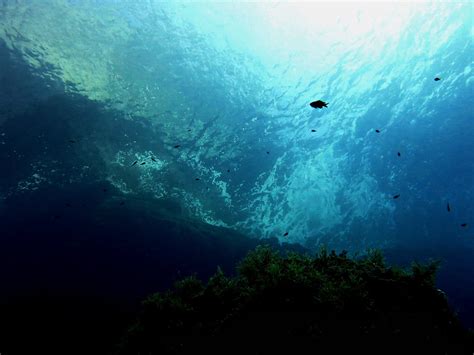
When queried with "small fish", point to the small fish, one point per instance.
{"points": [[135, 162], [143, 163], [448, 207], [228, 170], [153, 159], [72, 141], [396, 196], [398, 153], [189, 130], [319, 104], [313, 130], [177, 146], [377, 130], [286, 233], [268, 152], [464, 225], [437, 79]]}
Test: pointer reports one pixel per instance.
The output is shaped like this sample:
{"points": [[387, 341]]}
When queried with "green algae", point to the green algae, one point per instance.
{"points": [[301, 303]]}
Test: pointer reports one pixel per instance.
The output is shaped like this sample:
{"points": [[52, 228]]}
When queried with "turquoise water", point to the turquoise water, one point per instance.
{"points": [[231, 81]]}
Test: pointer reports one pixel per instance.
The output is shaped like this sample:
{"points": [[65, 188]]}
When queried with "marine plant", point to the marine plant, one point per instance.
{"points": [[297, 303]]}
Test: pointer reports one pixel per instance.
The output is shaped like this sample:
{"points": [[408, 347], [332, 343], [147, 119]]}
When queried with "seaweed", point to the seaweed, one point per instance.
{"points": [[302, 303]]}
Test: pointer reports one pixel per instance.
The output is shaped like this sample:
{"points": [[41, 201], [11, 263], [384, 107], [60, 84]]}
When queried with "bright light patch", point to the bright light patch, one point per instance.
{"points": [[321, 29], [311, 33]]}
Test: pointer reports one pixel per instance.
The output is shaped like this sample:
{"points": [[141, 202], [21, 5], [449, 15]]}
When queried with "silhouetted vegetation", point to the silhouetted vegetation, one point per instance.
{"points": [[297, 303]]}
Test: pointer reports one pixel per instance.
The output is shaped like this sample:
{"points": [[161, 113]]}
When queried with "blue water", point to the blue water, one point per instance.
{"points": [[89, 87], [240, 77]]}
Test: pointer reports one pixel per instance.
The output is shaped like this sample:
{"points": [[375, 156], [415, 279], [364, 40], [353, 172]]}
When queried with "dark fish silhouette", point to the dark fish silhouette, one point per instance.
{"points": [[464, 225], [136, 161], [319, 104], [177, 146], [197, 179], [437, 79], [286, 233], [153, 159], [189, 130], [398, 153], [105, 190], [228, 170], [396, 196], [313, 130], [143, 163], [268, 152], [377, 130], [448, 207], [72, 141]]}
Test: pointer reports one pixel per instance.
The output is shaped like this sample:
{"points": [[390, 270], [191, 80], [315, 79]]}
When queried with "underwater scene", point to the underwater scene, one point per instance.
{"points": [[236, 177]]}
